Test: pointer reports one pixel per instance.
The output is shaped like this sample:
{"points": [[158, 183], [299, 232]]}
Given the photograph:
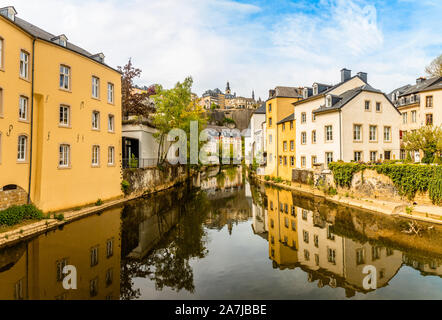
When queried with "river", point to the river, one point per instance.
{"points": [[228, 239]]}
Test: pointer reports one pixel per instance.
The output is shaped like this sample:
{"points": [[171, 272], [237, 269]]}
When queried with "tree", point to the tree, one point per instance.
{"points": [[428, 139], [133, 102], [435, 67], [175, 109]]}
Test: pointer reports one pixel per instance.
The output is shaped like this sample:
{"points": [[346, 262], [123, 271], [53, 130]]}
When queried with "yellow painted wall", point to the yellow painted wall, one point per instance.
{"points": [[281, 108], [54, 188], [286, 134]]}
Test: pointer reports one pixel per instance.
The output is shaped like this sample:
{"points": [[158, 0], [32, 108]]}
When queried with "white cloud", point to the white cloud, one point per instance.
{"points": [[218, 40]]}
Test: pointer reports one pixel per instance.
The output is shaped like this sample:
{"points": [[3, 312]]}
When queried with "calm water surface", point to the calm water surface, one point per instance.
{"points": [[227, 240]]}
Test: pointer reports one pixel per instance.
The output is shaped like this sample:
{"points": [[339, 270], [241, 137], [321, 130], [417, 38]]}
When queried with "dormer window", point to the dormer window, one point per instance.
{"points": [[305, 93], [328, 101], [8, 12], [98, 57], [403, 100], [62, 40], [315, 89], [412, 98]]}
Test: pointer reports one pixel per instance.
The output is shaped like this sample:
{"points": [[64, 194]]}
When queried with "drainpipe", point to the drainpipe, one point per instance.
{"points": [[340, 135], [32, 121]]}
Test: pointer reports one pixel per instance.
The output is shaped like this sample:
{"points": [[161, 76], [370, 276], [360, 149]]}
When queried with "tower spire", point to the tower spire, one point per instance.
{"points": [[228, 88]]}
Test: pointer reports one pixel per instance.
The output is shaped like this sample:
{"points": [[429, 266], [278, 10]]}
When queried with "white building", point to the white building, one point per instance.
{"points": [[350, 121], [254, 142]]}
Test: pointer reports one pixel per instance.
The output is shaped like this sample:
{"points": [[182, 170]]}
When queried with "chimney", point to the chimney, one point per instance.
{"points": [[420, 80], [345, 75], [363, 76], [271, 93], [8, 12]]}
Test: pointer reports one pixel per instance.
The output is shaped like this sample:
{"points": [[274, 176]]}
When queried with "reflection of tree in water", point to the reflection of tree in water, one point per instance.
{"points": [[168, 264]]}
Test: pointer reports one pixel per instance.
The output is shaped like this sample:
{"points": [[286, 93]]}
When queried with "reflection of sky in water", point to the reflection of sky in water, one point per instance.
{"points": [[238, 267]]}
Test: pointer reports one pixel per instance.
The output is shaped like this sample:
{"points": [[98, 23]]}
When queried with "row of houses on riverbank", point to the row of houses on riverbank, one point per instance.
{"points": [[308, 127]]}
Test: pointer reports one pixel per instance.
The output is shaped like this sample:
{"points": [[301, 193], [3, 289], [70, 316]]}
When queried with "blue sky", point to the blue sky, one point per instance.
{"points": [[253, 44]]}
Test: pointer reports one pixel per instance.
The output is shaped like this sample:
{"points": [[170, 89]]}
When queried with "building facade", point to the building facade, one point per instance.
{"points": [[254, 143], [60, 118], [286, 147], [350, 121]]}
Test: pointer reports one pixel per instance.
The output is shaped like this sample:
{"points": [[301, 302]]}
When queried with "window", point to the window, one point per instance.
{"points": [[111, 156], [94, 256], [373, 156], [18, 290], [24, 64], [23, 108], [291, 125], [270, 107], [64, 116], [329, 157], [378, 107], [375, 253], [303, 161], [429, 101], [316, 240], [293, 225], [292, 145], [387, 134], [110, 123], [270, 122], [304, 214], [286, 223], [429, 119], [270, 139], [22, 148], [413, 116], [283, 127], [373, 131], [357, 132], [360, 256], [65, 77], [387, 155], [1, 54], [314, 160], [405, 118], [60, 265], [109, 277], [285, 160], [358, 156], [64, 156], [93, 287], [1, 102], [280, 160], [285, 145], [303, 117], [96, 120], [331, 255], [313, 117], [328, 101], [306, 255], [317, 259], [330, 235], [95, 87], [305, 236], [110, 93], [314, 136], [303, 137], [109, 248], [292, 161], [328, 133], [95, 155], [403, 154], [367, 105], [293, 211], [315, 89]]}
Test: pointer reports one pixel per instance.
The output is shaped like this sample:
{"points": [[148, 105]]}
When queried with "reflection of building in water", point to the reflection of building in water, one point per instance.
{"points": [[220, 185], [33, 270], [304, 238], [429, 267], [282, 228]]}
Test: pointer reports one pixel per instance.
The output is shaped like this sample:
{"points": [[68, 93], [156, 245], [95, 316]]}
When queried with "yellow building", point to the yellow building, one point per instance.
{"points": [[60, 119], [279, 107], [286, 147], [283, 234]]}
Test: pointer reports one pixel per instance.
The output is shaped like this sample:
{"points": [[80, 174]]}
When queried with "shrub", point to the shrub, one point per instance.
{"points": [[59, 217], [267, 178], [435, 188], [99, 202], [17, 214], [125, 185], [343, 172]]}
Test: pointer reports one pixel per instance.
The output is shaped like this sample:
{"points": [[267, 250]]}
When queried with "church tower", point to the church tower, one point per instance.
{"points": [[253, 95], [228, 88]]}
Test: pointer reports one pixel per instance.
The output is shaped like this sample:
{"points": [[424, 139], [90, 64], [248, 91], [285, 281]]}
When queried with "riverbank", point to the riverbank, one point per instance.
{"points": [[423, 213]]}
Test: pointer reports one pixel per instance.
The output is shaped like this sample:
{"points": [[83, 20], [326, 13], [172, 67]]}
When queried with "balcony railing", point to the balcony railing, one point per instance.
{"points": [[135, 163]]}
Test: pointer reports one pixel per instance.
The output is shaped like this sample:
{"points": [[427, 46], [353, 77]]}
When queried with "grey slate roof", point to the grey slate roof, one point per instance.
{"points": [[289, 118], [261, 109], [347, 96], [424, 85], [435, 86], [44, 35], [286, 92]]}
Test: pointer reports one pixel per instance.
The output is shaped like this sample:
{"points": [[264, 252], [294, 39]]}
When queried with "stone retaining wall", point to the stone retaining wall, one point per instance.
{"points": [[12, 197]]}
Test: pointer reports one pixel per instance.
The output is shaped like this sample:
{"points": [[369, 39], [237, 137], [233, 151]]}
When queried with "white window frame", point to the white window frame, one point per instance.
{"points": [[22, 148], [370, 132], [111, 123], [328, 133], [64, 116], [2, 53], [95, 87], [413, 116], [95, 120], [110, 92], [23, 108], [24, 64], [375, 154], [355, 132], [64, 160], [387, 130], [357, 158], [95, 155], [65, 77], [327, 158], [111, 155], [303, 137]]}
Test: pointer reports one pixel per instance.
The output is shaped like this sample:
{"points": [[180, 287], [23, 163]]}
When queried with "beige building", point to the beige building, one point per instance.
{"points": [[419, 105], [350, 121]]}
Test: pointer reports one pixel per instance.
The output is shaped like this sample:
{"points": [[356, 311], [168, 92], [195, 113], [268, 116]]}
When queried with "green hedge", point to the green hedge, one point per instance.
{"points": [[407, 178], [16, 214]]}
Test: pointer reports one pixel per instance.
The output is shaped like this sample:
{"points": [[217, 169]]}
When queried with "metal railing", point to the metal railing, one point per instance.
{"points": [[135, 163]]}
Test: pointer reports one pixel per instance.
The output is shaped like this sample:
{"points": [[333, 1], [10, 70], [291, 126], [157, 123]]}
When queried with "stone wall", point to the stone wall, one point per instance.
{"points": [[148, 180], [302, 176], [10, 197]]}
